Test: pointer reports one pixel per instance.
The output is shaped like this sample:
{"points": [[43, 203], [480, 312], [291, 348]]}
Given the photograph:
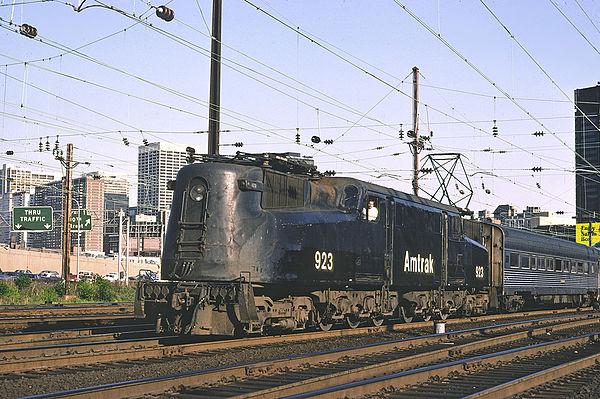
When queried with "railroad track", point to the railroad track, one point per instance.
{"points": [[59, 352], [46, 317], [340, 373], [64, 309]]}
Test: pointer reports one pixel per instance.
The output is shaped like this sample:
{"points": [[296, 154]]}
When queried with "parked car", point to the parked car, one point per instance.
{"points": [[25, 272], [111, 276], [49, 274], [7, 275], [85, 275]]}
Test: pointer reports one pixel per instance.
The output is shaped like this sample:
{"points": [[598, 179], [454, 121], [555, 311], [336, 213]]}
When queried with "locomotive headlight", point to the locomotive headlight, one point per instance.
{"points": [[198, 192]]}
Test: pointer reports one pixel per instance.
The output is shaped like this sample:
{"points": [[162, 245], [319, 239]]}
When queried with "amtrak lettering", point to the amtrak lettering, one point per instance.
{"points": [[418, 264]]}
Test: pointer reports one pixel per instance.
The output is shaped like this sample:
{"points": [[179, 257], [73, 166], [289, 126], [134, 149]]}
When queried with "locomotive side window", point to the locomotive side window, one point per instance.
{"points": [[514, 259], [370, 210], [282, 191], [525, 261]]}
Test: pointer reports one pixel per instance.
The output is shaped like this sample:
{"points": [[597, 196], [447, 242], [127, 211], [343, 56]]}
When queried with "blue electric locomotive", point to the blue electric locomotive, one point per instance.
{"points": [[265, 242]]}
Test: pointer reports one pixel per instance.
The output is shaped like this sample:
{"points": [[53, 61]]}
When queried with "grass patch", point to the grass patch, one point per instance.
{"points": [[24, 291]]}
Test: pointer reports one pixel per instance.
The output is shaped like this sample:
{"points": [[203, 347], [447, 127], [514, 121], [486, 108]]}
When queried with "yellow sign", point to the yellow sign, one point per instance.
{"points": [[583, 233]]}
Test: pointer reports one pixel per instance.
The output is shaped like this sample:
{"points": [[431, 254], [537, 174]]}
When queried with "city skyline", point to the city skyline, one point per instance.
{"points": [[339, 71]]}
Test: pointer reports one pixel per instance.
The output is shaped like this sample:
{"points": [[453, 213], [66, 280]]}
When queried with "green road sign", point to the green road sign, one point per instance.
{"points": [[32, 218], [80, 220]]}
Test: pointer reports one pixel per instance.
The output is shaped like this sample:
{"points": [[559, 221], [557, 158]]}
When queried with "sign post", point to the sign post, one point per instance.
{"points": [[32, 218]]}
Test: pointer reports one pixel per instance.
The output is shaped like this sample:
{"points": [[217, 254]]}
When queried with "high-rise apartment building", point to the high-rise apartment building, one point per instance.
{"points": [[157, 164], [587, 146]]}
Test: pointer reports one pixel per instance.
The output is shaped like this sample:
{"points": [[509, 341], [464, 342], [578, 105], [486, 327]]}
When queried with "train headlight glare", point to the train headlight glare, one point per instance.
{"points": [[198, 192]]}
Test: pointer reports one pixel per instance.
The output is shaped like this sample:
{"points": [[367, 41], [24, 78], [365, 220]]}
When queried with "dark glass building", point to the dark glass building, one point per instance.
{"points": [[587, 146]]}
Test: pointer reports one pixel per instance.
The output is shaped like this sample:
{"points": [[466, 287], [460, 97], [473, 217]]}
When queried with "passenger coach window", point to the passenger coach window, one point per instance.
{"points": [[579, 267], [514, 259], [282, 191], [586, 267], [533, 262], [550, 264], [558, 264], [541, 263], [525, 261], [567, 267]]}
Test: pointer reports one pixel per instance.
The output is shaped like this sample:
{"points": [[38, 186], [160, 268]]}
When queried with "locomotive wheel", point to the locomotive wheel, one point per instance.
{"points": [[352, 321], [405, 315], [325, 325], [377, 320]]}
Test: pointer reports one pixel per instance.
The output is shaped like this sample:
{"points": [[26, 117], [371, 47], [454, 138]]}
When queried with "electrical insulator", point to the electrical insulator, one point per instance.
{"points": [[41, 145], [28, 30], [379, 148], [328, 141], [538, 185], [297, 135], [537, 168], [56, 144], [495, 129], [538, 134], [315, 139], [125, 141], [145, 141], [47, 143], [487, 191], [239, 144], [164, 12], [329, 173], [10, 152]]}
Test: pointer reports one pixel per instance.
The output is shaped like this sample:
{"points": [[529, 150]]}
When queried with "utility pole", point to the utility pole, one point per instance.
{"points": [[68, 163], [215, 80], [415, 144], [67, 195], [127, 253], [120, 243]]}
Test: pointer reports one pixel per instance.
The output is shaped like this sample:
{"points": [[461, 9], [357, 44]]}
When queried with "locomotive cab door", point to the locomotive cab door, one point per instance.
{"points": [[370, 268]]}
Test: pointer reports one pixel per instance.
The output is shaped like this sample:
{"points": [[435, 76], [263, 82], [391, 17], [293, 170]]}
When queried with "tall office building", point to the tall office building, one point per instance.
{"points": [[16, 185], [587, 146], [116, 198], [157, 164], [13, 179], [7, 202]]}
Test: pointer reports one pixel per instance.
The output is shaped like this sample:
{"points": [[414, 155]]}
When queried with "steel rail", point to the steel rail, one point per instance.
{"points": [[153, 385], [60, 356], [74, 333], [531, 381], [415, 376]]}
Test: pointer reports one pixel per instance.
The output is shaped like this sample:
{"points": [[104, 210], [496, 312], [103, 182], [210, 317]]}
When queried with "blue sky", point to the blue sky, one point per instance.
{"points": [[148, 79]]}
